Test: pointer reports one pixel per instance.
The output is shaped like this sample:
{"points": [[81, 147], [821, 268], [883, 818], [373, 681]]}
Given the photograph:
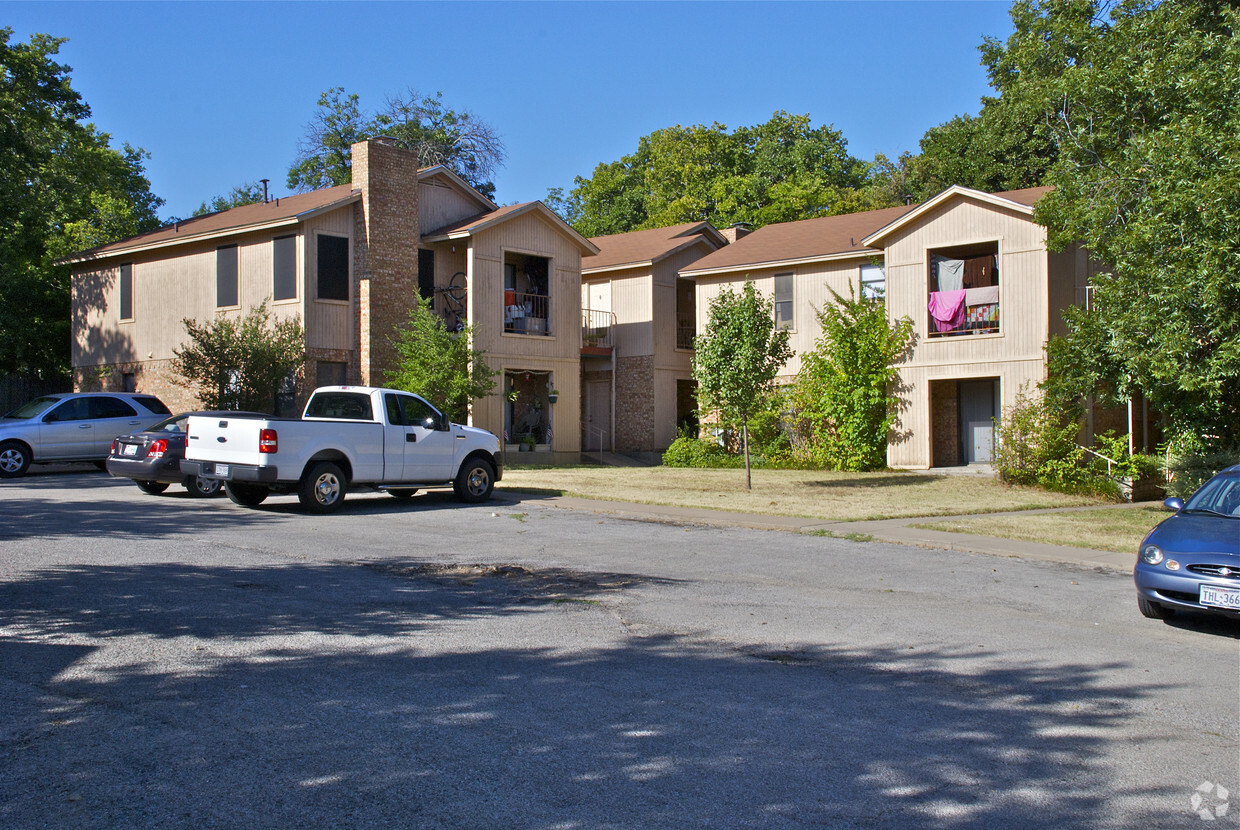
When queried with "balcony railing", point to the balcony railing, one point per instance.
{"points": [[685, 329], [966, 311], [597, 329], [527, 313]]}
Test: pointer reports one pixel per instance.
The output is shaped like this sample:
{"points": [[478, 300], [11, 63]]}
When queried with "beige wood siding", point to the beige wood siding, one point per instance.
{"points": [[440, 205], [329, 323], [812, 286]]}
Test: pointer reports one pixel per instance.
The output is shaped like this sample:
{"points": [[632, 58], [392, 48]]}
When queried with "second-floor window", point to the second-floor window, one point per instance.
{"points": [[284, 268], [963, 296], [527, 294], [226, 290], [333, 267], [126, 288], [783, 300]]}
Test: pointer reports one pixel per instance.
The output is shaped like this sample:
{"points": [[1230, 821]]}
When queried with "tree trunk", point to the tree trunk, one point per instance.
{"points": [[745, 442]]}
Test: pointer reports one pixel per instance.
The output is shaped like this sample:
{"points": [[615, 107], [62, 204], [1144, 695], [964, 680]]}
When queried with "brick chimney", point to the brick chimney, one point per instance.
{"points": [[736, 230], [385, 251]]}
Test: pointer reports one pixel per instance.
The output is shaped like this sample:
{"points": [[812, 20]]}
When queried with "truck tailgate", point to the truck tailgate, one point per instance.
{"points": [[226, 440]]}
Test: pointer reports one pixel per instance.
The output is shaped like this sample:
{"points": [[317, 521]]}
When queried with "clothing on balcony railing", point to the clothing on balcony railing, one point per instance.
{"points": [[965, 310], [526, 313]]}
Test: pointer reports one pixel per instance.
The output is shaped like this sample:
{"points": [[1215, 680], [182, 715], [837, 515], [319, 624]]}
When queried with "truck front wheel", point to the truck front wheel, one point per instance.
{"points": [[246, 495], [322, 488], [475, 480]]}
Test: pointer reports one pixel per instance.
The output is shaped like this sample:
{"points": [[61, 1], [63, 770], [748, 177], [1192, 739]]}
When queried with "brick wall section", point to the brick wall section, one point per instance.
{"points": [[151, 377], [635, 404], [944, 424], [385, 251]]}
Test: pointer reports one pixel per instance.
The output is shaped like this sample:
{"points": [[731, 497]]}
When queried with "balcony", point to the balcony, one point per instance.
{"points": [[597, 331], [526, 313], [965, 311]]}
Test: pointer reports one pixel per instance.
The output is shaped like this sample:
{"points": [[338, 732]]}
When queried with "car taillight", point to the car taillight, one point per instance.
{"points": [[267, 440], [158, 448], [112, 449]]}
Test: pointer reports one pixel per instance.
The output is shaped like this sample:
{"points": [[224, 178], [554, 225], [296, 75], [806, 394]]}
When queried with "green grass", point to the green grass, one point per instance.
{"points": [[829, 496]]}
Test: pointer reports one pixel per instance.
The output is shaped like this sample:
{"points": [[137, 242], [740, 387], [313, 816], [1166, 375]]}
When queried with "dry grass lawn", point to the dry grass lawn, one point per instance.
{"points": [[811, 494], [1117, 529]]}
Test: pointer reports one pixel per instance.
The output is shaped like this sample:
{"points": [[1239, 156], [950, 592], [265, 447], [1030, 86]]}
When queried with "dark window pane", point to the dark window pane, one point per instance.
{"points": [[331, 373], [126, 292], [333, 266], [107, 407], [154, 404], [426, 274], [226, 276], [284, 268]]}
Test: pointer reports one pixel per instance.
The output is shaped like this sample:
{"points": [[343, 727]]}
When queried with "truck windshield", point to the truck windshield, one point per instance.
{"points": [[347, 406]]}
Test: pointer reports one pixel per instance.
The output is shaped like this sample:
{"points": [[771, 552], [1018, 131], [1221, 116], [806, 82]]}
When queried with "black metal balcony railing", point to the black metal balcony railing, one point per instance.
{"points": [[598, 328], [527, 313], [685, 329]]}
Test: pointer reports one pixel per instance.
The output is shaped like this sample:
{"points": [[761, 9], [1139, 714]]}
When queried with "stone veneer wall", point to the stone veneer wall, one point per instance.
{"points": [[385, 252], [635, 404], [151, 377]]}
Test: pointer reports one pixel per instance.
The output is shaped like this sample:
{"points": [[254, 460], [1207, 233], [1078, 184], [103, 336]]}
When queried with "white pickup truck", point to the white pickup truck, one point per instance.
{"points": [[348, 436]]}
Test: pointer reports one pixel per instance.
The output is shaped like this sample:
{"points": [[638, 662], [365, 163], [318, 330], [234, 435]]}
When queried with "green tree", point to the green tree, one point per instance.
{"points": [[241, 363], [1142, 106], [739, 355], [844, 393], [63, 188], [439, 364], [777, 171], [458, 140], [247, 193]]}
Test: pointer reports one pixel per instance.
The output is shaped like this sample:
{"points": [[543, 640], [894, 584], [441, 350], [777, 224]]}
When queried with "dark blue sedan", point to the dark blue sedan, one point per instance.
{"points": [[1191, 561]]}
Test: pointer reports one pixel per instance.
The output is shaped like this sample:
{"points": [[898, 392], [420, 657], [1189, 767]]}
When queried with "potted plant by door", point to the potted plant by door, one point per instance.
{"points": [[553, 395], [527, 443]]}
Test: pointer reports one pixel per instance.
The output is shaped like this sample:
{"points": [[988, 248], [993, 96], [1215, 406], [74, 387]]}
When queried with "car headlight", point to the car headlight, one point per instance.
{"points": [[1151, 554]]}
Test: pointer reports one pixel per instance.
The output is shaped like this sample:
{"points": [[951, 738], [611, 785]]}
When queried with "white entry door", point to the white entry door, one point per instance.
{"points": [[596, 431], [977, 419]]}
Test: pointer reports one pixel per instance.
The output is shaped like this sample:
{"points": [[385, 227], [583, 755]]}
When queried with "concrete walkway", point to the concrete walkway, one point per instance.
{"points": [[897, 531]]}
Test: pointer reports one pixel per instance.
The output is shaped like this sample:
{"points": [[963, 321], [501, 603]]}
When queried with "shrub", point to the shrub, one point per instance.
{"points": [[1037, 446], [1192, 460], [687, 451]]}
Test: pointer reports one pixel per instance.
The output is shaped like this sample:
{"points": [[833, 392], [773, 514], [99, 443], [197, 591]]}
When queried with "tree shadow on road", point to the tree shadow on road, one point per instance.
{"points": [[364, 695]]}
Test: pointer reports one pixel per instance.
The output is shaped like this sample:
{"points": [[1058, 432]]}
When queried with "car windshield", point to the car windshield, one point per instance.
{"points": [[1220, 495], [174, 424], [34, 408]]}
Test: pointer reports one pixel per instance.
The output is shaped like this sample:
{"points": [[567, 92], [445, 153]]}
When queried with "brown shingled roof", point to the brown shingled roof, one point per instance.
{"points": [[806, 239], [639, 247], [277, 211]]}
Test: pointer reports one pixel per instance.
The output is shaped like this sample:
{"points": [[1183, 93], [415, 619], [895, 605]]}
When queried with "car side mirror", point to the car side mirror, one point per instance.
{"points": [[1174, 503], [443, 423]]}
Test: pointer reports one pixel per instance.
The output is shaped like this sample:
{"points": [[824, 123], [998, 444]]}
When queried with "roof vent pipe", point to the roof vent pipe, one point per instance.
{"points": [[266, 199]]}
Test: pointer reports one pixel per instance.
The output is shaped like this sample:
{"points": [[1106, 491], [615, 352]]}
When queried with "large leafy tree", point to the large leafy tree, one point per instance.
{"points": [[63, 188], [1141, 100], [439, 364], [778, 171], [242, 362], [845, 393], [424, 124], [739, 355]]}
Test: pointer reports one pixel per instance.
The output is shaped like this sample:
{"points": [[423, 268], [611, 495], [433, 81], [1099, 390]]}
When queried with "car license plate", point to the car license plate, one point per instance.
{"points": [[1220, 597], [129, 449], [221, 470]]}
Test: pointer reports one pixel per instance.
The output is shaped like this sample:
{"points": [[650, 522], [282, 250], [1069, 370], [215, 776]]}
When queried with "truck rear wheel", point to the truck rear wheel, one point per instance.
{"points": [[322, 488], [475, 480], [246, 495]]}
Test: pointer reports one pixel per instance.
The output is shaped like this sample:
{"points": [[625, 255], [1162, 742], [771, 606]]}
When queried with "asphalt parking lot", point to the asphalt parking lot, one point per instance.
{"points": [[172, 662]]}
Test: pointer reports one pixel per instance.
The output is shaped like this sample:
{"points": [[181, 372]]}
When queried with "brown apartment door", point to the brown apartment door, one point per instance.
{"points": [[597, 427]]}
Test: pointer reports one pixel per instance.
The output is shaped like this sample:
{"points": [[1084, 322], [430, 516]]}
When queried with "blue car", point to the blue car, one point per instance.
{"points": [[1191, 561]]}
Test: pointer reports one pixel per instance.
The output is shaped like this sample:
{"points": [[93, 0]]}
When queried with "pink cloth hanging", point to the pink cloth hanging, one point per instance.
{"points": [[947, 309]]}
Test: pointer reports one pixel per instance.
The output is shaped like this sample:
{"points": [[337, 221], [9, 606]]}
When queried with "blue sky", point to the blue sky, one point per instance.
{"points": [[219, 92]]}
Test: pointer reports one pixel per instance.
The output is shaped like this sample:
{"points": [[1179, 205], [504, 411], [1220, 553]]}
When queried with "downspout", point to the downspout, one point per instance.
{"points": [[612, 437]]}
